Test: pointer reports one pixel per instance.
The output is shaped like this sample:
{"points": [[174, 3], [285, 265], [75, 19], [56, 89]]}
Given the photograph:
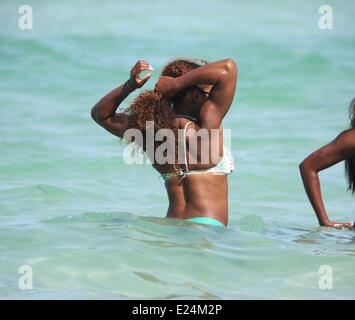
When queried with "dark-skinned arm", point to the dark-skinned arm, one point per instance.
{"points": [[338, 150], [104, 111], [222, 75]]}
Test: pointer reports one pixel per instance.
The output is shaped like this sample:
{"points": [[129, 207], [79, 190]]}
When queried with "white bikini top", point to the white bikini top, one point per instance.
{"points": [[225, 166]]}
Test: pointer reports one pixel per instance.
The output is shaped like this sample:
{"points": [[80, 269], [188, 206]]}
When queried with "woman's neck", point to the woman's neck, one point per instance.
{"points": [[182, 115], [185, 110]]}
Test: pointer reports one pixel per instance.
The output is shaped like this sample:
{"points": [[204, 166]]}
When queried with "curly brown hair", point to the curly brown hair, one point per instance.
{"points": [[151, 105], [349, 163]]}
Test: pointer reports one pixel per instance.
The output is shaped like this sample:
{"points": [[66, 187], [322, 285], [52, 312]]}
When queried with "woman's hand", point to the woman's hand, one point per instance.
{"points": [[167, 86], [339, 225], [135, 81]]}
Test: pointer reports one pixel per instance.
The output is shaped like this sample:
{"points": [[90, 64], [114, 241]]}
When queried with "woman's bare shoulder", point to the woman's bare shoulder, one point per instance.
{"points": [[346, 140], [180, 122], [347, 136]]}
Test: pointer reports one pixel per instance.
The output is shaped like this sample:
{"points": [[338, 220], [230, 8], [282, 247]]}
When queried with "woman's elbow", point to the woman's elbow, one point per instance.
{"points": [[94, 114], [303, 165], [230, 65], [229, 69], [307, 167]]}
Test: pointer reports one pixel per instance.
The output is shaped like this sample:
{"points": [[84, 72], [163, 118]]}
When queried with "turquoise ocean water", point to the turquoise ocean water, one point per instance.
{"points": [[91, 226]]}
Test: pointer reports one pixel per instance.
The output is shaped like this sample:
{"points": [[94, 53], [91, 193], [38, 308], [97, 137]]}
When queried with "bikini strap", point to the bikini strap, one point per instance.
{"points": [[185, 152]]}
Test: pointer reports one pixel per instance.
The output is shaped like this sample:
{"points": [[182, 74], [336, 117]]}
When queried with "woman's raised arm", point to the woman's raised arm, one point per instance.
{"points": [[104, 111], [222, 75]]}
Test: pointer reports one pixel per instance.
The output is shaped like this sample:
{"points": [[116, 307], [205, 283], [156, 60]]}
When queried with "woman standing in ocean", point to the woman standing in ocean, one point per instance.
{"points": [[189, 96], [342, 148]]}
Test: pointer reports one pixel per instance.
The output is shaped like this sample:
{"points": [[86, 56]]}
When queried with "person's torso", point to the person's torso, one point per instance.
{"points": [[202, 192]]}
